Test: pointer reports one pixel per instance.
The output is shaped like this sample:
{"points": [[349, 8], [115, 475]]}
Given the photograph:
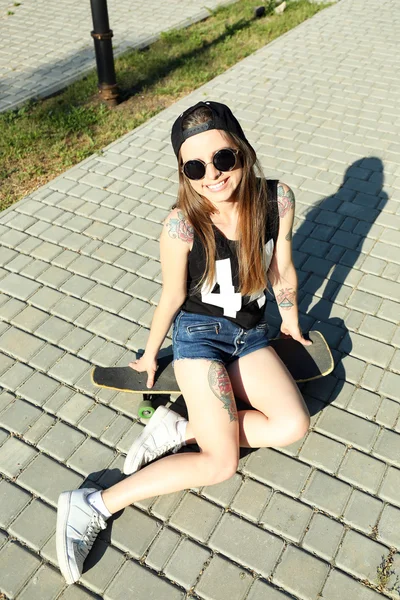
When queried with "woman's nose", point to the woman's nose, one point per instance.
{"points": [[212, 172]]}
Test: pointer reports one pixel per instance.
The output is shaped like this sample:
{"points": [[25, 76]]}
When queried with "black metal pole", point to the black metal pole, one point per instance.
{"points": [[102, 35]]}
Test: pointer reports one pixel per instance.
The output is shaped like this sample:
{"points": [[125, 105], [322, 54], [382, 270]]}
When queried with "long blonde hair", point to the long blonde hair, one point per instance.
{"points": [[251, 195]]}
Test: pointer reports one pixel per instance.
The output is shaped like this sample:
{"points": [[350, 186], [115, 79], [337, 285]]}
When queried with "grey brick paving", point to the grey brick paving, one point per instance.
{"points": [[61, 441], [186, 563], [363, 511], [164, 506], [301, 573], [14, 456], [79, 281], [100, 573], [162, 549], [348, 428], [323, 536], [13, 501], [46, 584], [222, 579], [35, 524], [17, 565], [322, 452], [58, 479], [327, 493], [244, 543], [388, 528], [91, 458], [340, 586], [19, 416], [135, 581], [362, 470], [184, 517], [223, 493], [145, 527], [360, 556], [251, 499], [278, 471], [286, 517]]}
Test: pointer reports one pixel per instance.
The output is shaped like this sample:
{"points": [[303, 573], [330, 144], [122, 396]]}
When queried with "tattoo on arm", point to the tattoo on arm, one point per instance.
{"points": [[286, 298], [180, 228], [285, 200], [288, 236], [221, 387]]}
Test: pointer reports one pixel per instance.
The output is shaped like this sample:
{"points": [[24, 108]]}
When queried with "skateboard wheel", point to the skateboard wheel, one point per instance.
{"points": [[145, 410]]}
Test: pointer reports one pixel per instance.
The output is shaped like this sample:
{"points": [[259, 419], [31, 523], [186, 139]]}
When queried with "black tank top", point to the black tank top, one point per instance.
{"points": [[224, 299]]}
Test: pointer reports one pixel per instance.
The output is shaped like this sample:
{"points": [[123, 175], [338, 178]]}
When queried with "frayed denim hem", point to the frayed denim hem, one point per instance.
{"points": [[219, 360]]}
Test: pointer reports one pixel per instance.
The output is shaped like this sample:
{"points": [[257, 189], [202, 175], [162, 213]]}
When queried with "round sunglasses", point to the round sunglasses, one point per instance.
{"points": [[223, 160]]}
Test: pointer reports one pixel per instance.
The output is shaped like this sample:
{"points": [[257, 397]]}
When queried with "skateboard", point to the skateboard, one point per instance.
{"points": [[303, 362]]}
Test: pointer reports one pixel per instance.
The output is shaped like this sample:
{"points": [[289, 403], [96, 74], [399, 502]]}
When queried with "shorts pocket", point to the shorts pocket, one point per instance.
{"points": [[203, 328], [262, 326]]}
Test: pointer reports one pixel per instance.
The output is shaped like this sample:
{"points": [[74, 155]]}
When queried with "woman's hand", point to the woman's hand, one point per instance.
{"points": [[295, 333], [145, 363]]}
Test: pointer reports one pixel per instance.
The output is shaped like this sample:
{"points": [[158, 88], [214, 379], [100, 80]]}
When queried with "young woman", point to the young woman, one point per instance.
{"points": [[229, 234]]}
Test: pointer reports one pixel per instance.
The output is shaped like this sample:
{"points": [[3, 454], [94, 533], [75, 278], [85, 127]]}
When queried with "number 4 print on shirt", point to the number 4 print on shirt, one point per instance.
{"points": [[227, 298]]}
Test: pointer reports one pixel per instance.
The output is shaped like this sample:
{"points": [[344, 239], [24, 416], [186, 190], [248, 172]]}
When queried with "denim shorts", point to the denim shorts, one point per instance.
{"points": [[215, 338]]}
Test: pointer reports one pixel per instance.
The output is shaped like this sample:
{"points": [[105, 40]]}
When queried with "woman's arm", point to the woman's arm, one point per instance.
{"points": [[175, 244], [282, 273]]}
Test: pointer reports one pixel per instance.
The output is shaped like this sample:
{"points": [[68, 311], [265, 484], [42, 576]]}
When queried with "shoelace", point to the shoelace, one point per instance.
{"points": [[96, 523]]}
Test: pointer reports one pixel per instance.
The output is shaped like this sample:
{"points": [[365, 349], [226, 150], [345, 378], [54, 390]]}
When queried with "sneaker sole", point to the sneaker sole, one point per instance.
{"points": [[154, 422], [61, 547]]}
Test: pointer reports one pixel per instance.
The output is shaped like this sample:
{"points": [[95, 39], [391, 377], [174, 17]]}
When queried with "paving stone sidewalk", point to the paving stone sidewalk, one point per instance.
{"points": [[46, 45], [79, 281]]}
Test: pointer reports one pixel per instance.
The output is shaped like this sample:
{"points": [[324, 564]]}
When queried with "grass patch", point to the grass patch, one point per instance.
{"points": [[43, 139]]}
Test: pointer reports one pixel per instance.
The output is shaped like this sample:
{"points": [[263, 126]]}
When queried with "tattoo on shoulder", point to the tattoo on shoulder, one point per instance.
{"points": [[180, 228], [286, 298], [221, 387], [285, 200]]}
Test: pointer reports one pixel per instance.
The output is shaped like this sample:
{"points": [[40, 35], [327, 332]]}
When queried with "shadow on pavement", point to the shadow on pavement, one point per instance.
{"points": [[328, 250]]}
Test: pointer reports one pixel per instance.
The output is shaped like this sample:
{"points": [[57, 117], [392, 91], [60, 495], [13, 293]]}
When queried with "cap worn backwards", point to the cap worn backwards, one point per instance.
{"points": [[222, 118]]}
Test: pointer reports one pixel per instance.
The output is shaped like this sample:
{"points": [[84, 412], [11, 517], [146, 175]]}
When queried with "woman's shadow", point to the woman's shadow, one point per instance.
{"points": [[329, 248]]}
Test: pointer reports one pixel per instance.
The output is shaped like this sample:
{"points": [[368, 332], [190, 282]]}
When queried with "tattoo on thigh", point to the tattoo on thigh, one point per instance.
{"points": [[221, 387]]}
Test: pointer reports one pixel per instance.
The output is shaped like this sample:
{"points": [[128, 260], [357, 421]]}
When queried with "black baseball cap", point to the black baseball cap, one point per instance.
{"points": [[222, 118]]}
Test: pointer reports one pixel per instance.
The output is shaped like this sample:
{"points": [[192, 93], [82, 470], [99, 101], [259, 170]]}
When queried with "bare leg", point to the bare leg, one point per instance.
{"points": [[212, 411], [166, 475], [261, 380]]}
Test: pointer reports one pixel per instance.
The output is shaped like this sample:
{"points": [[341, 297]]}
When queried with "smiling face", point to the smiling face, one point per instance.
{"points": [[216, 186]]}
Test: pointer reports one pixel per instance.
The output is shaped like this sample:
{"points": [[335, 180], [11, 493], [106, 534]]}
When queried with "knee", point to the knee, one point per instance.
{"points": [[294, 429], [220, 468]]}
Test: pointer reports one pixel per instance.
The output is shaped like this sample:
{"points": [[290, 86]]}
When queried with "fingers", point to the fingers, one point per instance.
{"points": [[303, 340], [298, 338], [285, 336], [151, 373], [140, 367]]}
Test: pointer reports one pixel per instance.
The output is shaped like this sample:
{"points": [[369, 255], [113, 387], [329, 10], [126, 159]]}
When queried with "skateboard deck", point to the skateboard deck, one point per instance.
{"points": [[303, 362]]}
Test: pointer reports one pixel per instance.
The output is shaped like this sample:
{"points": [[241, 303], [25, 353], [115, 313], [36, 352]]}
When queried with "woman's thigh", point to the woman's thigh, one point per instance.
{"points": [[211, 405], [262, 380]]}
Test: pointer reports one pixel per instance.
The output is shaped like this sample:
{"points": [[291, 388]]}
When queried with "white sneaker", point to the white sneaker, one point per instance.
{"points": [[78, 524], [158, 437]]}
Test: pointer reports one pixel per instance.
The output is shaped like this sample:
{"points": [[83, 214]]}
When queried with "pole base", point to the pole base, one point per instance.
{"points": [[109, 93]]}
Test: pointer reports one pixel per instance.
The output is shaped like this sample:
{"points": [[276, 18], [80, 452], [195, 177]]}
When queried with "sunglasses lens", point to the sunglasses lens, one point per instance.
{"points": [[194, 169], [225, 160]]}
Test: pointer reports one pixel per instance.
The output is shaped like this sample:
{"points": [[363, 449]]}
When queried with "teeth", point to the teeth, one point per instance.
{"points": [[217, 186]]}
